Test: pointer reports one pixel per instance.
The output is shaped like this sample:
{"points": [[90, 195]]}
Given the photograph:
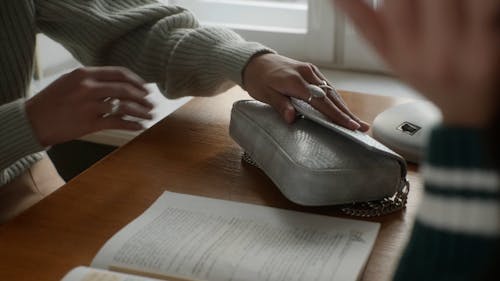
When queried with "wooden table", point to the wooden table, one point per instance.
{"points": [[188, 152]]}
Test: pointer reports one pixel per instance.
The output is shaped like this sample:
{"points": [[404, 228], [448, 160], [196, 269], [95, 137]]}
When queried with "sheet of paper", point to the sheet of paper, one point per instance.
{"points": [[197, 238], [83, 273]]}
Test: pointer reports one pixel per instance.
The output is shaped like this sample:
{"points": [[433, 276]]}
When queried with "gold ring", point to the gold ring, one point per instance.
{"points": [[325, 85], [115, 107]]}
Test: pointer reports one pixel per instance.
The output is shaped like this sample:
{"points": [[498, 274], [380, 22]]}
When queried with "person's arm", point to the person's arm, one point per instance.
{"points": [[17, 138], [76, 104], [153, 40], [166, 45]]}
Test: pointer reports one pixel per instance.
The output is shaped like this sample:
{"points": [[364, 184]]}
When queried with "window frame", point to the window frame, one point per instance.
{"points": [[325, 37], [292, 42], [336, 42]]}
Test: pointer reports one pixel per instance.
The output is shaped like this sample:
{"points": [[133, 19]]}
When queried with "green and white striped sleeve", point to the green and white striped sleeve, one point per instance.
{"points": [[457, 230]]}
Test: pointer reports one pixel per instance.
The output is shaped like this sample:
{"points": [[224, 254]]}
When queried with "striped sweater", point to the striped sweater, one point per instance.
{"points": [[456, 235], [154, 40]]}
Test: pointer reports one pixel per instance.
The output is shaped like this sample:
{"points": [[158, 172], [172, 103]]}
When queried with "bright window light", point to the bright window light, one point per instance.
{"points": [[309, 30]]}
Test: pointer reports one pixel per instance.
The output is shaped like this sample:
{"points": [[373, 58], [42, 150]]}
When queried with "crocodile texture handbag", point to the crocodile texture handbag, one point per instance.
{"points": [[316, 163]]}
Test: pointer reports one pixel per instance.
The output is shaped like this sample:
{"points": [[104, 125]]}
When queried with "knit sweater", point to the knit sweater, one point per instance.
{"points": [[163, 44], [456, 235]]}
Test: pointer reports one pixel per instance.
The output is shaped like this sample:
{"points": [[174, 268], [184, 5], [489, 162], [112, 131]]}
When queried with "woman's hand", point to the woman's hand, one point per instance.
{"points": [[84, 101], [272, 79], [447, 49]]}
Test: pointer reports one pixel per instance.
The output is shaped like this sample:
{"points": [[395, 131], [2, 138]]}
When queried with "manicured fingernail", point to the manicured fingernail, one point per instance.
{"points": [[149, 104], [354, 125], [289, 114]]}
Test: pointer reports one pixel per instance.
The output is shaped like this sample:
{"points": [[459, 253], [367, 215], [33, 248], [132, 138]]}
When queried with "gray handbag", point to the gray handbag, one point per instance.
{"points": [[316, 163]]}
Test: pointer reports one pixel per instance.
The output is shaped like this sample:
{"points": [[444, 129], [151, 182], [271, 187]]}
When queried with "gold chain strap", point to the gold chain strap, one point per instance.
{"points": [[376, 208], [382, 207], [248, 159]]}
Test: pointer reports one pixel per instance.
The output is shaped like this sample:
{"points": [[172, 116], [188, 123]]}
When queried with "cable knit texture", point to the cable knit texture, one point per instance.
{"points": [[163, 44]]}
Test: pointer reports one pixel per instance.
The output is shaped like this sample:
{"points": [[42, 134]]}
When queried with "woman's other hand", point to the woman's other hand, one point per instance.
{"points": [[88, 100], [448, 50], [272, 79]]}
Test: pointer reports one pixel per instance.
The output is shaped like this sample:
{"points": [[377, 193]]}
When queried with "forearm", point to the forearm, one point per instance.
{"points": [[199, 61], [17, 139], [457, 229], [163, 44]]}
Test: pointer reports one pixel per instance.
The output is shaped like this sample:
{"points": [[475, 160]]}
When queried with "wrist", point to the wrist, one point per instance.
{"points": [[31, 115], [250, 67], [17, 138]]}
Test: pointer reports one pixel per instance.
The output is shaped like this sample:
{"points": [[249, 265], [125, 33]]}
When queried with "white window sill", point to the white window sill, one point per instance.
{"points": [[376, 84]]}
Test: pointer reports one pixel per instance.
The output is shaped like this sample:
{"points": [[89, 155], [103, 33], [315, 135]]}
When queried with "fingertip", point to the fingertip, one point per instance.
{"points": [[140, 80], [144, 92], [149, 104], [353, 125], [136, 126], [145, 103], [364, 126], [289, 114]]}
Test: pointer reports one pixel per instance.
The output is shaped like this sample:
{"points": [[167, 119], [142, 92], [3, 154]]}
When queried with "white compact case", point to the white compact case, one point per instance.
{"points": [[405, 128]]}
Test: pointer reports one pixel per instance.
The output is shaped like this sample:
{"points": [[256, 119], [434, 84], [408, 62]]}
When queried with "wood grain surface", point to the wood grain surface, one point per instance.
{"points": [[188, 152]]}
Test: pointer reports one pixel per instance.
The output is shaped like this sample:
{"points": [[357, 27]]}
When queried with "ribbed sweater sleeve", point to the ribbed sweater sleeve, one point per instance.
{"points": [[14, 125], [457, 230], [163, 44]]}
